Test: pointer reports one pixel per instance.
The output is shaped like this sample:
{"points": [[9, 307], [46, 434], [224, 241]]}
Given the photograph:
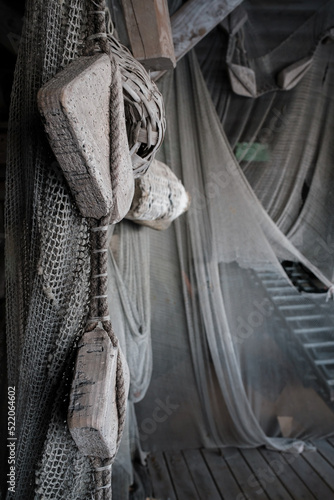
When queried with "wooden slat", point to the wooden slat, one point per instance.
{"points": [[181, 477], [268, 477], [225, 482], [161, 481], [201, 475], [321, 466], [326, 450], [231, 473], [310, 477], [331, 441], [150, 33], [243, 473], [289, 478], [193, 21]]}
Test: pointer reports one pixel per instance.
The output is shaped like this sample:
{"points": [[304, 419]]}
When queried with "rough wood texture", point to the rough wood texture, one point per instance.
{"points": [[244, 473], [193, 21], [122, 178], [75, 109], [92, 414], [150, 34], [159, 198]]}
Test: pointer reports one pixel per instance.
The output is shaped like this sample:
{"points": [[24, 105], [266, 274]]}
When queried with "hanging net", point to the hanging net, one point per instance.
{"points": [[254, 351], [223, 349]]}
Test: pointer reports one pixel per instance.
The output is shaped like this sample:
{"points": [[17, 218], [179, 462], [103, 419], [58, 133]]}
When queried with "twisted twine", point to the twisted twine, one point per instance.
{"points": [[99, 310], [97, 28]]}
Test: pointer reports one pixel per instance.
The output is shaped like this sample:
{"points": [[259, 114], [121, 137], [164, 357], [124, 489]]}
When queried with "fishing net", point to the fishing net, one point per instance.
{"points": [[48, 272], [222, 348], [252, 350]]}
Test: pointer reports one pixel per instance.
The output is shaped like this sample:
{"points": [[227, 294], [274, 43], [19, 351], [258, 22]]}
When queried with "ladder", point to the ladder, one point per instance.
{"points": [[310, 321]]}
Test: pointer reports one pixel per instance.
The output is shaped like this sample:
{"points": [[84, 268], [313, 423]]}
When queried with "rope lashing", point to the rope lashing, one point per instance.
{"points": [[99, 310]]}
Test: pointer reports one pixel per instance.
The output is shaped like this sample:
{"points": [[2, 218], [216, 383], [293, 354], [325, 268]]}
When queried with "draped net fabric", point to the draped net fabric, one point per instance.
{"points": [[246, 369], [283, 139], [189, 305]]}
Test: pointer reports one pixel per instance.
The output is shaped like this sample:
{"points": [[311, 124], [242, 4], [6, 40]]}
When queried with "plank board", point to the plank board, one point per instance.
{"points": [[150, 33], [193, 21], [181, 477], [161, 481], [243, 474], [321, 466], [234, 474], [326, 450], [268, 478], [314, 483], [331, 441], [201, 475], [289, 478], [224, 479]]}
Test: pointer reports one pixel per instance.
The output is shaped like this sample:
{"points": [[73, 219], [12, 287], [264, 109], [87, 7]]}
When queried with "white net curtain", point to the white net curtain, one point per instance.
{"points": [[218, 340], [249, 331]]}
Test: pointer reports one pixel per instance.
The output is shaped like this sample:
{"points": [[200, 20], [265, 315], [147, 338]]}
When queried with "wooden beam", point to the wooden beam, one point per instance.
{"points": [[193, 21], [150, 34]]}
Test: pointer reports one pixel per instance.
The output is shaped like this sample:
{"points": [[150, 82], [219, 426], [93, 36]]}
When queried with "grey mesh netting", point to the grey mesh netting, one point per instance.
{"points": [[225, 323], [248, 330]]}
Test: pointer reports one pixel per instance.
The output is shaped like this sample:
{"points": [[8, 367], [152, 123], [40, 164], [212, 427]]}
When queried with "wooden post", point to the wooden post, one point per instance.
{"points": [[150, 34]]}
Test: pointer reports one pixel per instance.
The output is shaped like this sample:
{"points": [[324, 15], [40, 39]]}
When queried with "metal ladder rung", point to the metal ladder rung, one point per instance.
{"points": [[304, 318], [318, 329], [296, 306], [315, 345], [286, 298], [324, 361]]}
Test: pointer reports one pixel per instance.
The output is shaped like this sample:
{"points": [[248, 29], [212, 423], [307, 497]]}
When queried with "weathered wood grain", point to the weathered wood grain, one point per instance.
{"points": [[92, 415], [161, 481], [193, 21], [200, 474], [75, 109], [150, 34], [224, 479], [179, 471]]}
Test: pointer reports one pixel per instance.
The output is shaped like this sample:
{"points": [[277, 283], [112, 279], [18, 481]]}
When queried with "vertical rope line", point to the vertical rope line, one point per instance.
{"points": [[99, 309]]}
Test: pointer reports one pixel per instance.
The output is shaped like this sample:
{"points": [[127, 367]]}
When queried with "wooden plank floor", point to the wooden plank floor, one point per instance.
{"points": [[235, 474]]}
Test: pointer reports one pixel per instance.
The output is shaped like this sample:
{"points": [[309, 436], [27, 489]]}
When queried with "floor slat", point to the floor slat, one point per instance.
{"points": [[161, 481], [297, 489], [181, 478], [311, 479], [201, 475], [268, 477], [322, 467], [243, 473], [226, 484], [326, 450]]}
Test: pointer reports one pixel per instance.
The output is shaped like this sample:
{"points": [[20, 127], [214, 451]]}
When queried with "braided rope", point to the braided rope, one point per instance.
{"points": [[99, 310], [102, 478], [97, 28]]}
